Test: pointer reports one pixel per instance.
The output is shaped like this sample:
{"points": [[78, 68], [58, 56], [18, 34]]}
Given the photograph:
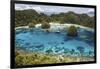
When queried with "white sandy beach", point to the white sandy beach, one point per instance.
{"points": [[55, 26]]}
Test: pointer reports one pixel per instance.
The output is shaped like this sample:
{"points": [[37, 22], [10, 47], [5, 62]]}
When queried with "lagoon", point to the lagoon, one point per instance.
{"points": [[54, 42]]}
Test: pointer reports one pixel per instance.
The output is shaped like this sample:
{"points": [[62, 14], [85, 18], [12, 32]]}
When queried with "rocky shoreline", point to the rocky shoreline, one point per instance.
{"points": [[40, 58]]}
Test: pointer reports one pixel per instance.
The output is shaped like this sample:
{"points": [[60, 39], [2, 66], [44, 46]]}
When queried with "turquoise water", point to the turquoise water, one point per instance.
{"points": [[37, 40]]}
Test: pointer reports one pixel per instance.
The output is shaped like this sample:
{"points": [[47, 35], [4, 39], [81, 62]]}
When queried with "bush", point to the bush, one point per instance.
{"points": [[19, 60], [72, 31], [31, 25], [45, 26]]}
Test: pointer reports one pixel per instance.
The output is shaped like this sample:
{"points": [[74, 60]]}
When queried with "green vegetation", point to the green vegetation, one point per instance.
{"points": [[31, 17], [24, 17], [72, 31], [45, 26], [39, 58], [31, 25]]}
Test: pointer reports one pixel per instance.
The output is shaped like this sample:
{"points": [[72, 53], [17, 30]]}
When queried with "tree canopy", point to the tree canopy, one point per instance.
{"points": [[24, 17]]}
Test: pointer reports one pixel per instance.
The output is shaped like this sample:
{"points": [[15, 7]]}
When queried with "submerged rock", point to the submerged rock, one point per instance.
{"points": [[57, 50], [49, 51], [62, 42], [27, 44]]}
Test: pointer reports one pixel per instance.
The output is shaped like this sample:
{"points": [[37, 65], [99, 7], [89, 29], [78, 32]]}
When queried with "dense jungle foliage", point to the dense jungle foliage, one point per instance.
{"points": [[24, 17]]}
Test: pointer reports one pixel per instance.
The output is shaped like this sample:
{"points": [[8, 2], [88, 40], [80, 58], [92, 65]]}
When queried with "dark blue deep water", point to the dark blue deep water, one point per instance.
{"points": [[36, 40]]}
